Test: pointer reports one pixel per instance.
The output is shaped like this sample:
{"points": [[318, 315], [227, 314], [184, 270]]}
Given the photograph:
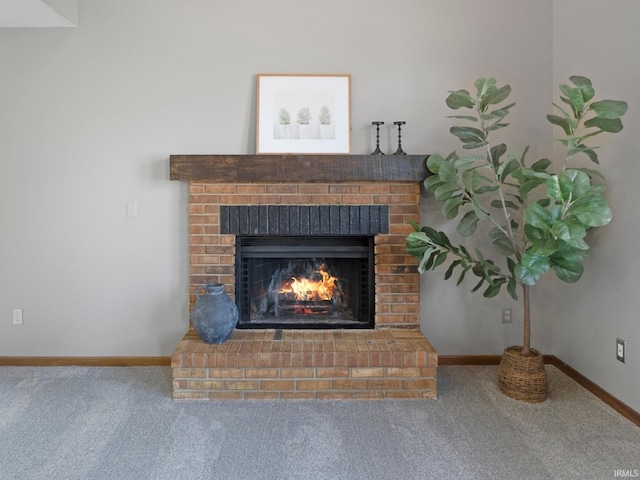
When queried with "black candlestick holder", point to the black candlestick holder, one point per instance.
{"points": [[399, 151], [377, 151]]}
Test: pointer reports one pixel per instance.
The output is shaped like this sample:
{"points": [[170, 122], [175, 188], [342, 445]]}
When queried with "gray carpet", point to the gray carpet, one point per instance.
{"points": [[121, 423]]}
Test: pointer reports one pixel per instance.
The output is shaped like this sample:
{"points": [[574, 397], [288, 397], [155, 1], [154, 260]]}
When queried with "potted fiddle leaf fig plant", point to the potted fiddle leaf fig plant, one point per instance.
{"points": [[540, 213]]}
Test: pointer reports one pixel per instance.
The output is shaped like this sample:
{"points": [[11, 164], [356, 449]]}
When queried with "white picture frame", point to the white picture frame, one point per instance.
{"points": [[303, 114]]}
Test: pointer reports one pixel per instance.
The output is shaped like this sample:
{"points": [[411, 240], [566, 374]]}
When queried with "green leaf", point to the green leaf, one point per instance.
{"points": [[466, 162], [503, 245], [503, 111], [591, 173], [587, 92], [427, 259], [546, 246], [591, 210], [496, 153], [472, 145], [497, 126], [447, 172], [417, 244], [450, 207], [493, 290], [432, 182], [580, 183], [487, 188], [468, 134], [536, 216], [432, 234], [479, 209], [507, 203], [588, 151], [468, 224], [460, 99], [440, 259], [529, 185], [564, 112], [496, 96], [611, 125], [461, 277], [510, 166], [511, 288], [559, 188], [478, 285], [610, 109], [449, 271], [445, 191], [530, 268], [535, 174], [473, 180], [570, 232], [584, 86], [464, 117], [433, 163], [579, 81], [561, 122], [577, 99], [541, 165], [445, 242], [483, 85], [567, 270]]}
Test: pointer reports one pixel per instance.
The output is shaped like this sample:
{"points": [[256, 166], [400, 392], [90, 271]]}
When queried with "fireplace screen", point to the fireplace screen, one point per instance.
{"points": [[304, 282]]}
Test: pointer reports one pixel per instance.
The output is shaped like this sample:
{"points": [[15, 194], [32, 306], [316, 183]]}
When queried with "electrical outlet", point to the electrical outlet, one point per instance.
{"points": [[621, 349], [506, 315], [17, 316]]}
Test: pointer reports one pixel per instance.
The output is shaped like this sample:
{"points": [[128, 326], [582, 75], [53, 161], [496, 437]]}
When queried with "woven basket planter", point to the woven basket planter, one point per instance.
{"points": [[523, 378]]}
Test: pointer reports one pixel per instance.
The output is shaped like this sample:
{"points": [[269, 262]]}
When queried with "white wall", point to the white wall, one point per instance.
{"points": [[89, 116], [600, 40]]}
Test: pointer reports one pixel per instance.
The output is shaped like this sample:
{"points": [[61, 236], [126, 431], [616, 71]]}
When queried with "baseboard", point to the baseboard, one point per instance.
{"points": [[469, 359], [85, 361], [620, 407]]}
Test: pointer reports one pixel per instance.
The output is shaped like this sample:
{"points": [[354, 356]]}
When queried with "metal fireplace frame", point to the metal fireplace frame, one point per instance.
{"points": [[305, 247]]}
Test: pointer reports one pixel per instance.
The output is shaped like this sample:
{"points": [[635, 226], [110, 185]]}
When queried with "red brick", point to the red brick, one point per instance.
{"points": [[367, 372], [205, 384], [225, 395], [277, 384], [313, 384], [253, 188], [313, 188], [261, 395], [297, 373], [241, 384]]}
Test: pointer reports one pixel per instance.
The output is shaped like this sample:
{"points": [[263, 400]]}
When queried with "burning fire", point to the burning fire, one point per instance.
{"points": [[308, 290]]}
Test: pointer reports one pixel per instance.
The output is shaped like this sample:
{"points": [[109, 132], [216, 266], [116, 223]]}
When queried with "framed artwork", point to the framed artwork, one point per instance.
{"points": [[303, 113]]}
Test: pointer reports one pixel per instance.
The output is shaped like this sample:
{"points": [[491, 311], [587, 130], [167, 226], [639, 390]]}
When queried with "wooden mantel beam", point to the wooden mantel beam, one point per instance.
{"points": [[298, 168]]}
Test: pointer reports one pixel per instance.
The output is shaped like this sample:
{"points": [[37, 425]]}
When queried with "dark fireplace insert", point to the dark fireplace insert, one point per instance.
{"points": [[305, 281]]}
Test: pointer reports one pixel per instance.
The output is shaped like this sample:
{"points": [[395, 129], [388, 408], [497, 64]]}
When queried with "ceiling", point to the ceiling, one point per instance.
{"points": [[38, 13]]}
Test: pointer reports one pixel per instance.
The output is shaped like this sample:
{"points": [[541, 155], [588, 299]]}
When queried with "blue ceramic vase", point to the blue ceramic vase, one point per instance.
{"points": [[214, 315]]}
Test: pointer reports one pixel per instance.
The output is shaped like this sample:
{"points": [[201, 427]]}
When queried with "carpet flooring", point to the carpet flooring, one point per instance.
{"points": [[121, 423]]}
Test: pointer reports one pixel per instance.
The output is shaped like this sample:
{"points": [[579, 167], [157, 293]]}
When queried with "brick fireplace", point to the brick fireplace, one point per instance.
{"points": [[391, 360]]}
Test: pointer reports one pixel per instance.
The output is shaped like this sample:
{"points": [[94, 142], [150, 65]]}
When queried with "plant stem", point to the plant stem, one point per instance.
{"points": [[509, 231], [526, 344]]}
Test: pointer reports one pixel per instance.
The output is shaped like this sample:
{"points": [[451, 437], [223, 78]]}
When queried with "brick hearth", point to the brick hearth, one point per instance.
{"points": [[394, 360], [306, 364]]}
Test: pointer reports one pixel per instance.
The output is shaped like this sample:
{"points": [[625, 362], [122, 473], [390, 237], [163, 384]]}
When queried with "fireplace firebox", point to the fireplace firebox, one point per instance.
{"points": [[305, 281]]}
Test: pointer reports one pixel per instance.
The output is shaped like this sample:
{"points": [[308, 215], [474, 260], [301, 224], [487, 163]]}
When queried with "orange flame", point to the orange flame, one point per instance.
{"points": [[308, 290]]}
